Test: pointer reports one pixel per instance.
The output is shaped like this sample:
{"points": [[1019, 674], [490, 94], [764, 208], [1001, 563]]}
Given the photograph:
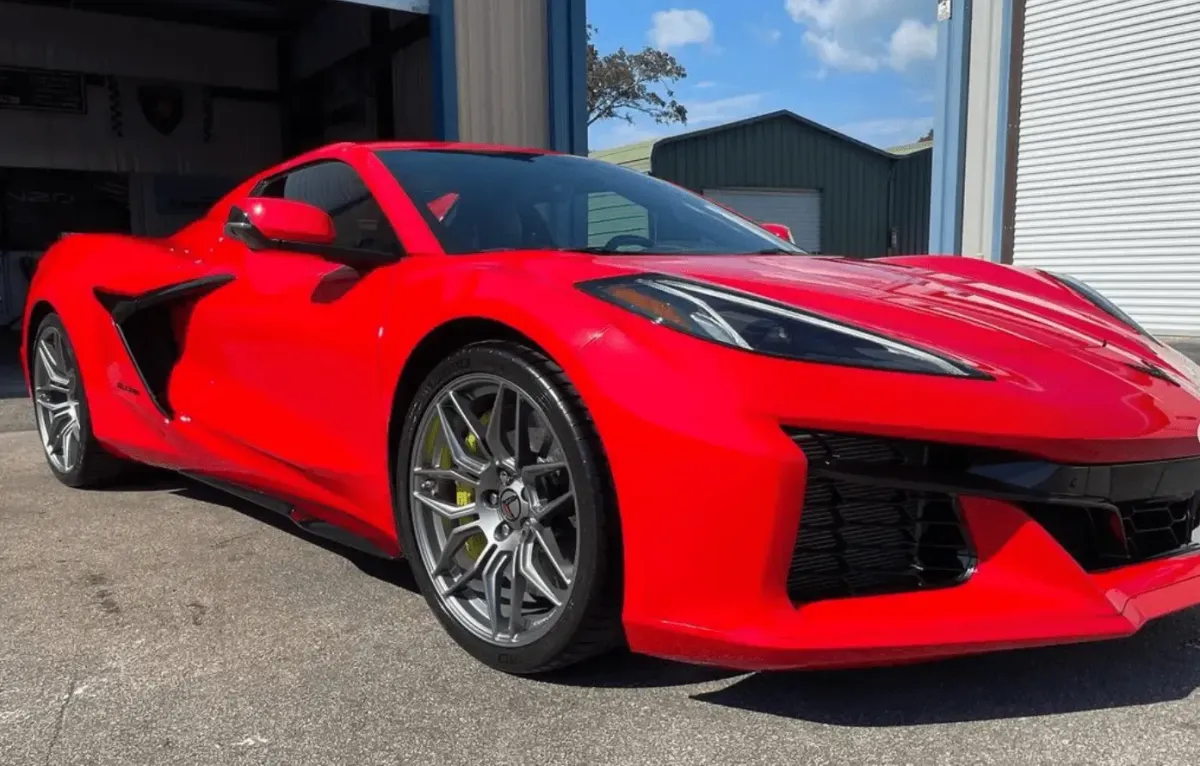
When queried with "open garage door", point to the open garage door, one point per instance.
{"points": [[167, 105], [799, 209]]}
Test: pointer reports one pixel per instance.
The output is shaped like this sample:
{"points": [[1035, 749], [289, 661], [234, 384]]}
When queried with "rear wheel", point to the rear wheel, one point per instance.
{"points": [[60, 407], [505, 511]]}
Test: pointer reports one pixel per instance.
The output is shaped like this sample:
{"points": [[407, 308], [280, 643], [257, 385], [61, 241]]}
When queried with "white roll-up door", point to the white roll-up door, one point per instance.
{"points": [[799, 209], [1108, 167]]}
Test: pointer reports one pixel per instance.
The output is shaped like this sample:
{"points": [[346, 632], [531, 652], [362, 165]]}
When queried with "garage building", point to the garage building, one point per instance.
{"points": [[135, 117], [838, 195], [1067, 140]]}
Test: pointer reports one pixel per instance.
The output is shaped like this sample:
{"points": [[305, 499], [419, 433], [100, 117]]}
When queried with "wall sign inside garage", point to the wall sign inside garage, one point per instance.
{"points": [[44, 90]]}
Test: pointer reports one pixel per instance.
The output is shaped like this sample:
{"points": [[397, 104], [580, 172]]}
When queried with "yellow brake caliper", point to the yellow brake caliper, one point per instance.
{"points": [[464, 494]]}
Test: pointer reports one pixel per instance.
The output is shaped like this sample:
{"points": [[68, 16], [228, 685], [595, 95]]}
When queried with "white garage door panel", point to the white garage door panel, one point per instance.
{"points": [[1108, 172], [799, 209]]}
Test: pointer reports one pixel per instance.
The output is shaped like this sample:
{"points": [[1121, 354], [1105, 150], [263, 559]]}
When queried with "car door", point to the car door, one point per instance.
{"points": [[292, 351]]}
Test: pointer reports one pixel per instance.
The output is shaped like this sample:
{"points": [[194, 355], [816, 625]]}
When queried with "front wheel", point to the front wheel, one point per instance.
{"points": [[505, 511]]}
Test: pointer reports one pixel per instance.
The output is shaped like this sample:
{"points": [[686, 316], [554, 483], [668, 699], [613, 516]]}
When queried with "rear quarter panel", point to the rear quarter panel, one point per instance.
{"points": [[65, 283]]}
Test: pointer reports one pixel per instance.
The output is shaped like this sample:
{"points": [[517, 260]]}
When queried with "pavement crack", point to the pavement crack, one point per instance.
{"points": [[72, 688]]}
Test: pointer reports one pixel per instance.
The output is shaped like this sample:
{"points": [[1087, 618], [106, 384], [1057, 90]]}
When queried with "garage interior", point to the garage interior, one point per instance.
{"points": [[135, 117]]}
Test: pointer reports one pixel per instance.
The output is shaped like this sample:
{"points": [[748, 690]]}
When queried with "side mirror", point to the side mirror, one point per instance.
{"points": [[780, 230], [263, 222]]}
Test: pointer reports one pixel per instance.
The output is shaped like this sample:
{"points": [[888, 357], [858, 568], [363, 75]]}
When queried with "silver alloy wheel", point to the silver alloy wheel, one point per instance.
{"points": [[493, 510], [56, 401]]}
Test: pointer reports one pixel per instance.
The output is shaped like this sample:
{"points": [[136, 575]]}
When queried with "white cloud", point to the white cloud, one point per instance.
{"points": [[832, 54], [676, 28], [867, 35], [912, 41], [706, 84], [891, 131], [723, 109]]}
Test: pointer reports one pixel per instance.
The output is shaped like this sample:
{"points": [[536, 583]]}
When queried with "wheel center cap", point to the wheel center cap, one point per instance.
{"points": [[511, 506]]}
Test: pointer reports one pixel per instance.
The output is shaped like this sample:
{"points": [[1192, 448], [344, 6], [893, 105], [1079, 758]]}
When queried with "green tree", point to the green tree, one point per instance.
{"points": [[621, 84]]}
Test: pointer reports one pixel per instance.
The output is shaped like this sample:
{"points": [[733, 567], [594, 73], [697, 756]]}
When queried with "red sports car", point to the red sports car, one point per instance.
{"points": [[590, 407]]}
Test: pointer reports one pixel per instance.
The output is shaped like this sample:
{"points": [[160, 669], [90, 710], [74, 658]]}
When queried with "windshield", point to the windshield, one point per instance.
{"points": [[493, 201]]}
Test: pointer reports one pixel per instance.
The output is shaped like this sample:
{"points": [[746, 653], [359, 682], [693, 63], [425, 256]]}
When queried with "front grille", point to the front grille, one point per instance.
{"points": [[1124, 533], [860, 538], [881, 514]]}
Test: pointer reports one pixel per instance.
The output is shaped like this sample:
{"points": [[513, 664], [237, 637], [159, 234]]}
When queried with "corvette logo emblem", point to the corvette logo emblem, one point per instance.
{"points": [[510, 505]]}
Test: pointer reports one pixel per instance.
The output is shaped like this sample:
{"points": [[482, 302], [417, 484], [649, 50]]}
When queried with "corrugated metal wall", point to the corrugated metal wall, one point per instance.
{"points": [[785, 153], [909, 202], [503, 82]]}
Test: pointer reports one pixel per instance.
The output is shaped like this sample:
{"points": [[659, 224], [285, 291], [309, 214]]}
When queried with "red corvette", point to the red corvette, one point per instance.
{"points": [[693, 438]]}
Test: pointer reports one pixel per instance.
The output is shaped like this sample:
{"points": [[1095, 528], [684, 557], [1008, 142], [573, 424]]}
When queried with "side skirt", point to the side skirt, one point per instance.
{"points": [[322, 529]]}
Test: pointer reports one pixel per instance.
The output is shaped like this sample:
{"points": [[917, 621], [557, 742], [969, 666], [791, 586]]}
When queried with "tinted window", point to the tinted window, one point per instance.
{"points": [[336, 188], [510, 200]]}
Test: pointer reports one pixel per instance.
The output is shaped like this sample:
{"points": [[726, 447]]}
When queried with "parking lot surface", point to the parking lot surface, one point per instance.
{"points": [[167, 623]]}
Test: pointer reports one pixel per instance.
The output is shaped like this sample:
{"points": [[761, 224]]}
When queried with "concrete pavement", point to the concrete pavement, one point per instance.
{"points": [[170, 624]]}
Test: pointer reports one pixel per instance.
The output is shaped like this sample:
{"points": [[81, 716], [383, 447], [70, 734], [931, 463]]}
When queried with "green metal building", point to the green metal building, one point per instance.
{"points": [[839, 195]]}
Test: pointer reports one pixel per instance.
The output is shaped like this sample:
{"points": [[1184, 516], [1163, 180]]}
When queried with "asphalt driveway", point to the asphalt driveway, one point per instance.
{"points": [[167, 623]]}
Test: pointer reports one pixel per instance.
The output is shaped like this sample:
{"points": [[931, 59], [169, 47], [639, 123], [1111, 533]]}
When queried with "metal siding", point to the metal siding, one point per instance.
{"points": [[784, 154], [909, 200], [610, 214], [984, 103], [503, 82], [800, 210], [1108, 173]]}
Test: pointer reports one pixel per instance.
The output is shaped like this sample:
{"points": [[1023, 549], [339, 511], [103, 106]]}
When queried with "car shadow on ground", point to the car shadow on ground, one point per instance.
{"points": [[1160, 664], [392, 572]]}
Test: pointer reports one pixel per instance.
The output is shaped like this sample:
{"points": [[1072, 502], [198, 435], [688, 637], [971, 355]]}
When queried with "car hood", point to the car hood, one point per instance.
{"points": [[1008, 322]]}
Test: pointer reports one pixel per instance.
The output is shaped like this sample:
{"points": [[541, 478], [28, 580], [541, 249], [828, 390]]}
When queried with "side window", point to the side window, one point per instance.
{"points": [[611, 215], [336, 188]]}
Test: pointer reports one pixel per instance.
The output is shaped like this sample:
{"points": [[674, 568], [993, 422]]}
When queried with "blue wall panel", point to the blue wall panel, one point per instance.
{"points": [[445, 69], [566, 59], [949, 130]]}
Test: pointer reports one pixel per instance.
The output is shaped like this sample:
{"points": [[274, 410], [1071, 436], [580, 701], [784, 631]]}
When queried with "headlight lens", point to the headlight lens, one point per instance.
{"points": [[754, 324], [1094, 296]]}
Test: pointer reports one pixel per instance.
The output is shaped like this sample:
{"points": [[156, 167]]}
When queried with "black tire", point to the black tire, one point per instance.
{"points": [[96, 467], [591, 621]]}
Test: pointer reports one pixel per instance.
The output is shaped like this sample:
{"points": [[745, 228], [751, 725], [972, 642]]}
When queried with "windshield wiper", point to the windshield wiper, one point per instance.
{"points": [[600, 250], [773, 251]]}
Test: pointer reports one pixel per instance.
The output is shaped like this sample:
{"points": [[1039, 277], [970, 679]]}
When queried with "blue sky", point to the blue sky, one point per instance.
{"points": [[864, 67]]}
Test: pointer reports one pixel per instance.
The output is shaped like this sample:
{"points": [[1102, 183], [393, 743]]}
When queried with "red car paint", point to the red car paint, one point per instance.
{"points": [[287, 377]]}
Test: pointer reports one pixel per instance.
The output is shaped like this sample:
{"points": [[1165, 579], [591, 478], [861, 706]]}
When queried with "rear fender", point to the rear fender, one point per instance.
{"points": [[125, 303]]}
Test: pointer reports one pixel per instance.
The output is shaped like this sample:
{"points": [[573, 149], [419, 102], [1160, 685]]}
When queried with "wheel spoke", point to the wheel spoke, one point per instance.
{"points": [[522, 416], [55, 410], [545, 512], [470, 573], [495, 429], [69, 441], [534, 577], [446, 510], [549, 545], [57, 378], [516, 601], [458, 452], [446, 474], [454, 543], [473, 424], [493, 574], [536, 470]]}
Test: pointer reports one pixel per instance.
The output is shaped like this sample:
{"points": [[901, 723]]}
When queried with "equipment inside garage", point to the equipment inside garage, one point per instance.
{"points": [[136, 116]]}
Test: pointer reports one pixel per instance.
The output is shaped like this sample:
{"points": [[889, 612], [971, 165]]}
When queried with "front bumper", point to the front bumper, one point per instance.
{"points": [[742, 602]]}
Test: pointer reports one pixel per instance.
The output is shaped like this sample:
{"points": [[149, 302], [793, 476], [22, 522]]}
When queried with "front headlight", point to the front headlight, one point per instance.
{"points": [[1093, 296], [754, 324]]}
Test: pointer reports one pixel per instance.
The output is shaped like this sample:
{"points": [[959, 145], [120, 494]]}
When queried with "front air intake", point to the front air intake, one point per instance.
{"points": [[860, 536]]}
